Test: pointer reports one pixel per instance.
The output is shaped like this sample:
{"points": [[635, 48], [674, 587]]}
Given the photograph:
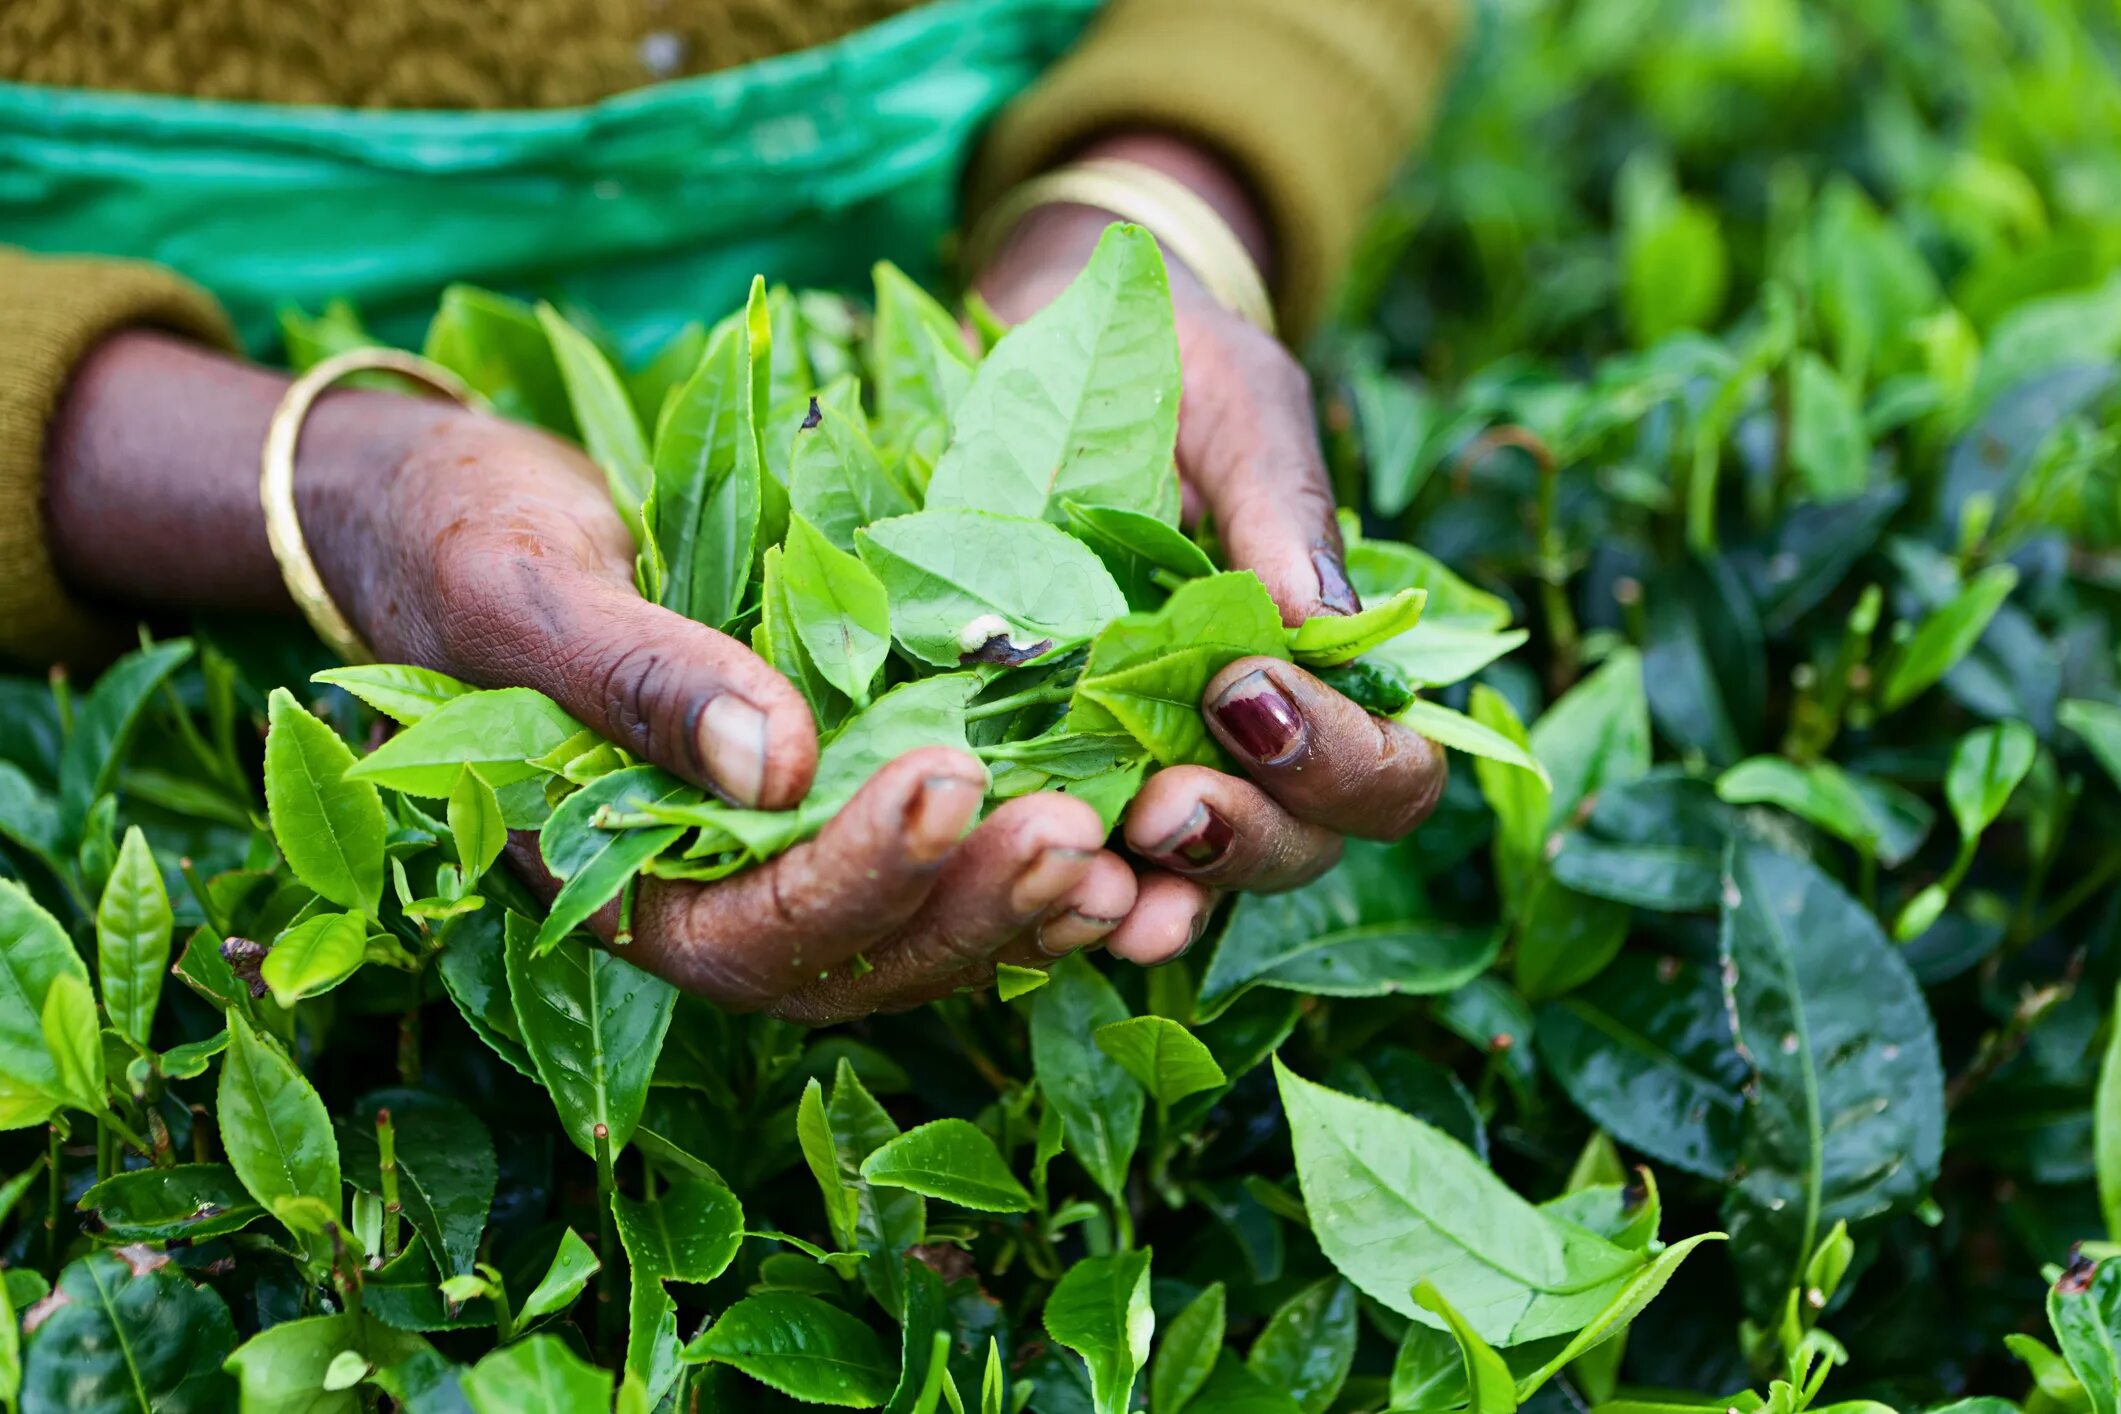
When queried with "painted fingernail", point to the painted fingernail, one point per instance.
{"points": [[1070, 930], [732, 741], [1262, 722], [1045, 878], [1200, 843], [1334, 591], [940, 812]]}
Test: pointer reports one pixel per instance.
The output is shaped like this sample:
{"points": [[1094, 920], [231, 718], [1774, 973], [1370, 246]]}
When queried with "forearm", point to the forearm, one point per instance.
{"points": [[151, 474]]}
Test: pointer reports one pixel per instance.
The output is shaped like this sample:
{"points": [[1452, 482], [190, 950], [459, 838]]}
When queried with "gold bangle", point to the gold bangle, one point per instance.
{"points": [[1185, 224], [276, 481]]}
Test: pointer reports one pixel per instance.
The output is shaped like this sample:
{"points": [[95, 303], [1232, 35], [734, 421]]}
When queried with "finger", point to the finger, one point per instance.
{"points": [[752, 938], [1085, 914], [1225, 832], [671, 691], [1167, 919], [1321, 756], [1082, 917], [1247, 439], [1008, 874]]}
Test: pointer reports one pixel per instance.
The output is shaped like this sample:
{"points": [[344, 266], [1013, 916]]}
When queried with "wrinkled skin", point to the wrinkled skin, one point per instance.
{"points": [[490, 551]]}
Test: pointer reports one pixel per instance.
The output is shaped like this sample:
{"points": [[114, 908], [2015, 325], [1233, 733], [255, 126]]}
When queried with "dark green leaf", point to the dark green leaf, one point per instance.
{"points": [[1845, 1118], [1363, 930], [446, 1168], [1308, 1346], [802, 1347], [593, 1025], [1187, 1353], [1646, 1051], [1099, 1103], [126, 1332]]}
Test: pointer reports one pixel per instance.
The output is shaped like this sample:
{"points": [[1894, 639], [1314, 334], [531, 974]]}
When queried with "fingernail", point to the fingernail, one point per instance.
{"points": [[941, 810], [732, 740], [1334, 591], [1068, 931], [1199, 843], [1193, 932], [1262, 722], [1045, 878]]}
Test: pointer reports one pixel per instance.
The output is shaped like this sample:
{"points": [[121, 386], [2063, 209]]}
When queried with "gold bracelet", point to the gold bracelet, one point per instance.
{"points": [[276, 481], [1185, 224]]}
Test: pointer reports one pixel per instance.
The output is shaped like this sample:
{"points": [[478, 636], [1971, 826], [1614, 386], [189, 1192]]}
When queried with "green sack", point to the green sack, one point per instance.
{"points": [[652, 207]]}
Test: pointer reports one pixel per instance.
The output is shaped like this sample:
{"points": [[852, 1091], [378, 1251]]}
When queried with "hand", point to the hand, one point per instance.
{"points": [[1248, 456], [490, 551]]}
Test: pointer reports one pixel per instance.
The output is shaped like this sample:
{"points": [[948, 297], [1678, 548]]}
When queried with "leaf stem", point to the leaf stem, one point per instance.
{"points": [[56, 1194], [1030, 697], [2077, 895], [409, 1044], [110, 1124], [607, 1239], [387, 1169]]}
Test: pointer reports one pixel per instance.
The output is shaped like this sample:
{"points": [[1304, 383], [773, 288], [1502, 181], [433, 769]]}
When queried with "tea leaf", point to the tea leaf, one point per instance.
{"points": [[328, 826], [403, 693], [1460, 732], [1187, 1353], [1308, 1345], [707, 478], [968, 586], [274, 1128], [593, 1025], [1168, 1061], [475, 824], [610, 430], [1100, 1310], [1146, 672], [128, 1333], [1099, 1104], [1946, 636], [1329, 640], [841, 610], [1846, 1113], [801, 1346], [948, 1159], [315, 956], [133, 930], [1079, 401], [538, 1375], [1388, 1194], [446, 1168], [495, 733]]}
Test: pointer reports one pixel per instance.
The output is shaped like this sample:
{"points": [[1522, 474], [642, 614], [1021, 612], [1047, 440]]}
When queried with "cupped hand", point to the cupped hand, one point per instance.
{"points": [[490, 551], [1317, 767]]}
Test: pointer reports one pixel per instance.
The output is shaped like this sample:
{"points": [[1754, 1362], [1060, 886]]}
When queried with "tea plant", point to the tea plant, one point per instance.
{"points": [[1736, 1036]]}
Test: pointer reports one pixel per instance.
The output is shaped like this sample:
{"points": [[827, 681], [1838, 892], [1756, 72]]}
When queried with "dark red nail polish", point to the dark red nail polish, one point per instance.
{"points": [[1262, 722], [1334, 591], [1200, 843]]}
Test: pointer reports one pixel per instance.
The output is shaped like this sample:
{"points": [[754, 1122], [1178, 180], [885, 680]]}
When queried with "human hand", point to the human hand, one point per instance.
{"points": [[1319, 767], [490, 551]]}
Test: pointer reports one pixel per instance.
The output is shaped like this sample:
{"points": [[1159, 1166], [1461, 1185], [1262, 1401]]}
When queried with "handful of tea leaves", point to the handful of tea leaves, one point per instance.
{"points": [[984, 553]]}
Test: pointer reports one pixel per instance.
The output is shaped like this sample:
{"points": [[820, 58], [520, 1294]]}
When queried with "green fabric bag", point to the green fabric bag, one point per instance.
{"points": [[652, 207]]}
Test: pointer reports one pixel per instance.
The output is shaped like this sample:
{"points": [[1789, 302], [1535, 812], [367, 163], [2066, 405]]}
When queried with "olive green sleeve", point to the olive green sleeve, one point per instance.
{"points": [[57, 310], [1315, 102]]}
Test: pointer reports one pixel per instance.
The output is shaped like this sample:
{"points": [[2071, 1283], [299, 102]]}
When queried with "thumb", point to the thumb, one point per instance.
{"points": [[1248, 444], [677, 693]]}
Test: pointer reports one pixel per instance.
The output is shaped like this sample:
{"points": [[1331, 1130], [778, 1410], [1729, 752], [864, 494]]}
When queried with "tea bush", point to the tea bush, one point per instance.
{"points": [[1738, 1033]]}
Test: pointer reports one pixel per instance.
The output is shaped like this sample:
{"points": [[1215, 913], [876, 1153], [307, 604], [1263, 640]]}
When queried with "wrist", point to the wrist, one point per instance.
{"points": [[151, 475], [1044, 247]]}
